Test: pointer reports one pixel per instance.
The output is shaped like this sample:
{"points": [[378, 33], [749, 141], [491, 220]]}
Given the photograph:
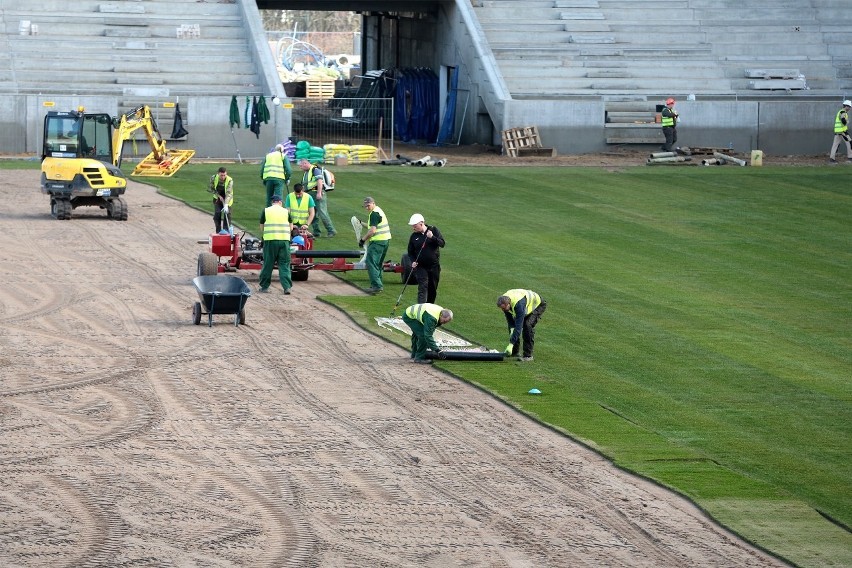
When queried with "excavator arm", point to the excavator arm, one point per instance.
{"points": [[161, 162]]}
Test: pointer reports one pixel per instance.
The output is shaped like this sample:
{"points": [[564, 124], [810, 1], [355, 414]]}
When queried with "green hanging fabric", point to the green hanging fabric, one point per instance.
{"points": [[235, 112], [263, 110]]}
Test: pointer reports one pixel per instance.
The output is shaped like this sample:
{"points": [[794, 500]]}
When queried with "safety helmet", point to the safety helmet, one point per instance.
{"points": [[416, 218], [298, 240], [847, 103], [670, 101]]}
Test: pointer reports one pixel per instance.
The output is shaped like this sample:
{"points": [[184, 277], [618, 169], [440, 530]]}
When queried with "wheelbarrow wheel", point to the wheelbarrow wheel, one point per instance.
{"points": [[299, 275], [242, 316], [208, 264], [196, 313]]}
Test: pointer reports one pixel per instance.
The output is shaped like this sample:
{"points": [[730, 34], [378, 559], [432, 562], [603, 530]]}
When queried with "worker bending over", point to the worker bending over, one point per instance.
{"points": [[424, 319], [522, 309]]}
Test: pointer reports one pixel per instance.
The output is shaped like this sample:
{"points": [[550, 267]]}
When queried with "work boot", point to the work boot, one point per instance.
{"points": [[525, 359], [422, 361], [263, 290], [286, 291]]}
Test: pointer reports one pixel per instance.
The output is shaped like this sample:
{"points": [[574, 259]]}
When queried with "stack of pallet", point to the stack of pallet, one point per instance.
{"points": [[319, 89], [518, 142]]}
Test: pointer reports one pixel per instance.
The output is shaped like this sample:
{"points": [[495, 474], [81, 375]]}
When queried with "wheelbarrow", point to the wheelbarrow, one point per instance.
{"points": [[220, 294]]}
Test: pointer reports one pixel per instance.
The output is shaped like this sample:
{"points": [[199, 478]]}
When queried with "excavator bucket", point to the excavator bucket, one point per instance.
{"points": [[171, 163]]}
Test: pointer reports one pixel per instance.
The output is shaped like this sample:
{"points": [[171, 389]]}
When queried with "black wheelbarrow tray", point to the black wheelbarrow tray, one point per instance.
{"points": [[220, 294]]}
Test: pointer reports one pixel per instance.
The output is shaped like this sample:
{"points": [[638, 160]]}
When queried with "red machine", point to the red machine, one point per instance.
{"points": [[229, 253]]}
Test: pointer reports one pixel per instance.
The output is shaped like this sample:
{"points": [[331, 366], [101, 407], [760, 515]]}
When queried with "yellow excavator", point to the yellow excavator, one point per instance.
{"points": [[81, 159]]}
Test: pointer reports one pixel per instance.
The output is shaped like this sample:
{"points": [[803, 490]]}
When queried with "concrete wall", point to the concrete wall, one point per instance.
{"points": [[776, 127], [572, 127]]}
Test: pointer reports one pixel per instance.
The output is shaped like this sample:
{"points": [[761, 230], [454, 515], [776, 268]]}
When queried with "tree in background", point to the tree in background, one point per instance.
{"points": [[310, 21]]}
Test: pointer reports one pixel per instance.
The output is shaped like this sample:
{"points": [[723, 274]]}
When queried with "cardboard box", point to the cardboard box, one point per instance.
{"points": [[341, 161]]}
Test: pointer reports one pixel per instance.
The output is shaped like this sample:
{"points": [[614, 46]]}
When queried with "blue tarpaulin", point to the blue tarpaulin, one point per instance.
{"points": [[416, 104], [448, 127]]}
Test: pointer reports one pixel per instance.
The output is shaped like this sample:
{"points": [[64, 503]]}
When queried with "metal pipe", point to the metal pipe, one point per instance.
{"points": [[466, 356], [729, 159], [663, 154]]}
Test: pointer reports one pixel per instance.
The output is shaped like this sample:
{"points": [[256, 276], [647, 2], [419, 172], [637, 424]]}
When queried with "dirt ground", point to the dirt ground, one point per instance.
{"points": [[131, 437]]}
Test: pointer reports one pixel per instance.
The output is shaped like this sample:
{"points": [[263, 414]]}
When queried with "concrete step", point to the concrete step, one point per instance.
{"points": [[33, 9], [52, 21], [118, 90], [147, 30], [529, 37], [556, 84], [25, 44], [517, 69], [72, 77], [746, 11], [778, 50]]}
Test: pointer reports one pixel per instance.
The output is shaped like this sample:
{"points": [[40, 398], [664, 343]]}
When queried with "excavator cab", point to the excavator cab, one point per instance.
{"points": [[77, 168], [78, 135]]}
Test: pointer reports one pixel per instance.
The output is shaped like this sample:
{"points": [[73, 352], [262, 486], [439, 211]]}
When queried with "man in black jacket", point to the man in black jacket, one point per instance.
{"points": [[423, 250]]}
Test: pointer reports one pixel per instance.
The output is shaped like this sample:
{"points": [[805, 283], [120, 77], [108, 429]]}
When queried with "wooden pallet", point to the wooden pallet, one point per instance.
{"points": [[319, 89], [524, 142]]}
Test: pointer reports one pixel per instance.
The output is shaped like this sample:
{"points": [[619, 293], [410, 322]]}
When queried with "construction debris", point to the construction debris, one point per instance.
{"points": [[715, 157], [670, 160], [729, 159]]}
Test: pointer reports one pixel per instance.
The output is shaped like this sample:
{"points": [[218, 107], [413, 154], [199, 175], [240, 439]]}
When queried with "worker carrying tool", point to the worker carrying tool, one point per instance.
{"points": [[668, 118], [523, 309], [424, 319], [222, 187]]}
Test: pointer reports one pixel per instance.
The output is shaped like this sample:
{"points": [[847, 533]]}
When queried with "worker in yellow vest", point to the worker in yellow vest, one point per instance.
{"points": [[222, 187], [301, 206], [275, 226], [275, 171], [841, 132], [424, 319], [378, 236], [314, 184], [668, 118], [523, 309]]}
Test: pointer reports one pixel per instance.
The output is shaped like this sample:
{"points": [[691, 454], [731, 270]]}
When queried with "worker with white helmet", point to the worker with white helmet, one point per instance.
{"points": [[424, 251], [668, 118], [841, 132]]}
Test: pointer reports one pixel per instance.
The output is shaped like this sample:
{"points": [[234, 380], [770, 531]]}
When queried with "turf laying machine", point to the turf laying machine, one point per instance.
{"points": [[229, 253], [81, 159]]}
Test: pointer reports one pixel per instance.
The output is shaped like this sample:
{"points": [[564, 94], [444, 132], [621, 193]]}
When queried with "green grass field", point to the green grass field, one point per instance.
{"points": [[698, 326]]}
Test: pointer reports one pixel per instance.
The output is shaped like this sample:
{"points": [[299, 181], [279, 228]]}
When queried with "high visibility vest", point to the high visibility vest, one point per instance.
{"points": [[309, 180], [382, 229], [839, 127], [273, 167], [277, 225], [229, 188], [417, 310], [667, 120], [299, 210], [515, 296]]}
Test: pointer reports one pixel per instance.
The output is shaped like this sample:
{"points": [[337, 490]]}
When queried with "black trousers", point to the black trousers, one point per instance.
{"points": [[427, 278], [670, 132], [528, 329]]}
